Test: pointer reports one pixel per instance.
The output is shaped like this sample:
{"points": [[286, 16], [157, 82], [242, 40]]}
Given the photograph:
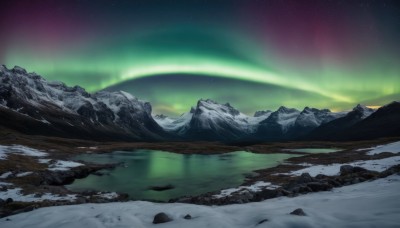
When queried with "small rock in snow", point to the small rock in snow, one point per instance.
{"points": [[161, 218], [298, 212], [188, 216], [262, 221]]}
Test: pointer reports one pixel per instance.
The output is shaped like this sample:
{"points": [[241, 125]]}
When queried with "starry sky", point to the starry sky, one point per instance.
{"points": [[254, 54]]}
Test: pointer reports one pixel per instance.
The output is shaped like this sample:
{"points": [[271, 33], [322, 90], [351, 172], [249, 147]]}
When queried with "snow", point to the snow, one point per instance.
{"points": [[24, 174], [5, 175], [368, 204], [21, 150], [391, 148], [16, 195], [34, 90], [44, 160], [107, 195], [4, 183], [258, 186], [174, 124], [334, 169], [61, 165]]}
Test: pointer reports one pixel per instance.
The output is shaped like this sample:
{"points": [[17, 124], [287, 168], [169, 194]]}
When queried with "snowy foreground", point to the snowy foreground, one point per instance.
{"points": [[368, 204]]}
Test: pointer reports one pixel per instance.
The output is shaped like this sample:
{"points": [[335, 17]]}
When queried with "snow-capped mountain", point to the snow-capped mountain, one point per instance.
{"points": [[210, 120], [289, 123], [66, 111], [32, 105], [278, 123], [336, 126], [311, 118]]}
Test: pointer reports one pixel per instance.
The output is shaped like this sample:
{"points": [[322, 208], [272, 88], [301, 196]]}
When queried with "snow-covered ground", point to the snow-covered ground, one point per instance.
{"points": [[18, 149], [391, 148], [258, 186], [368, 204], [16, 195], [334, 169], [61, 165], [57, 165]]}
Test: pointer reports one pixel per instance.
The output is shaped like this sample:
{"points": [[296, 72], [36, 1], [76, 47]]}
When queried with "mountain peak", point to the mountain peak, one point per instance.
{"points": [[363, 110], [19, 70], [284, 109], [262, 113]]}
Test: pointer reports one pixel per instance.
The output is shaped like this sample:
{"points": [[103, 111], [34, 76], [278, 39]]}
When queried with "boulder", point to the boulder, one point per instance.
{"points": [[298, 212], [161, 218], [346, 169], [187, 217], [304, 178]]}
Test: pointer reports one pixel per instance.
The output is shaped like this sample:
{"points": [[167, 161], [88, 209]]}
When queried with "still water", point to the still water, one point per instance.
{"points": [[190, 174]]}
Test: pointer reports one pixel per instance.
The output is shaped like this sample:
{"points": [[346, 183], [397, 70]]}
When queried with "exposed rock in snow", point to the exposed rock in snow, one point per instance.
{"points": [[5, 175], [16, 195], [102, 113], [364, 111], [178, 125], [334, 169], [21, 150], [391, 148], [60, 165], [368, 204], [212, 121], [264, 113], [107, 195], [252, 188], [23, 174]]}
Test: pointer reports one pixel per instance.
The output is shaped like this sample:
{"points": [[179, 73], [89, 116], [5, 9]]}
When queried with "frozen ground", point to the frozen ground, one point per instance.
{"points": [[253, 188], [368, 204], [391, 148], [16, 195], [334, 169], [18, 149]]}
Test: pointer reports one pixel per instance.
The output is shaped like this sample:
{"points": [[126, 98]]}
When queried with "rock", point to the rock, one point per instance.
{"points": [[9, 200], [346, 169], [2, 202], [187, 217], [298, 212], [317, 186], [262, 221], [161, 218], [305, 178], [320, 176], [80, 200], [161, 188]]}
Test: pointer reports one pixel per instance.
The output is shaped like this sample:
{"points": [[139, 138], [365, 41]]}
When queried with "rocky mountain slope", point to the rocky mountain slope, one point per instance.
{"points": [[33, 105]]}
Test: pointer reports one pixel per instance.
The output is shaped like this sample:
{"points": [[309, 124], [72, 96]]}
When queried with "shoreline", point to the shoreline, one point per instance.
{"points": [[349, 154]]}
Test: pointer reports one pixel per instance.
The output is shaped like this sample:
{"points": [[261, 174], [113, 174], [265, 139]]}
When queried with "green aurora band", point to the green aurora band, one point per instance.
{"points": [[323, 65]]}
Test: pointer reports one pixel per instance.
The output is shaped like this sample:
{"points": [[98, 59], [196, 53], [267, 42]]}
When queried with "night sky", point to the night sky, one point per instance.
{"points": [[255, 55]]}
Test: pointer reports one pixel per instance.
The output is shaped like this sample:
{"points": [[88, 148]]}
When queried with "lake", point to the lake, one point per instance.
{"points": [[190, 174]]}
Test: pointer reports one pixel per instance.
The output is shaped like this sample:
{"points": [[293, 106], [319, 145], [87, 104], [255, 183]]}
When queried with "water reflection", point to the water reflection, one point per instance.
{"points": [[190, 174]]}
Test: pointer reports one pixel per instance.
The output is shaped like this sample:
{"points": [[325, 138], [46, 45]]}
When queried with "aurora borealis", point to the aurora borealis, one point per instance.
{"points": [[254, 54]]}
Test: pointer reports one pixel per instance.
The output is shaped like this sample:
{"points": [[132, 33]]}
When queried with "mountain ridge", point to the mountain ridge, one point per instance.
{"points": [[52, 108]]}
